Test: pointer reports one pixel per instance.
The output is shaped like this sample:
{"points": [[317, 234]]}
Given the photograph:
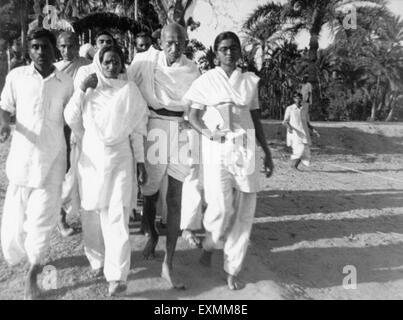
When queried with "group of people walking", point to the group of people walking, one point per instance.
{"points": [[129, 125]]}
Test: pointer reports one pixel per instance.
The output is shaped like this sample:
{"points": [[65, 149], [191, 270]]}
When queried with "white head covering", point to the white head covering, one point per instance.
{"points": [[117, 107]]}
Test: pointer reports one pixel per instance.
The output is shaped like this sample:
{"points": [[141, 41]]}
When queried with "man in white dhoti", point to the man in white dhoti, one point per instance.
{"points": [[68, 45], [36, 164], [296, 119], [163, 78], [109, 118], [230, 167]]}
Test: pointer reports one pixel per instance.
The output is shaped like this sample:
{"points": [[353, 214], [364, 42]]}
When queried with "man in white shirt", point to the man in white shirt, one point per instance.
{"points": [[296, 120], [36, 164], [68, 45]]}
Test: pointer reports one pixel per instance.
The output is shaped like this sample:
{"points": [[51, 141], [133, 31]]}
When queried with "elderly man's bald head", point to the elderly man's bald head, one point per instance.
{"points": [[72, 36], [173, 41], [173, 28], [68, 45]]}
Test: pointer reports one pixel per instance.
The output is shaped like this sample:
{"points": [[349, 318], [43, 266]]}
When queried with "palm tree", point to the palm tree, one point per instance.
{"points": [[376, 48], [171, 10], [311, 15]]}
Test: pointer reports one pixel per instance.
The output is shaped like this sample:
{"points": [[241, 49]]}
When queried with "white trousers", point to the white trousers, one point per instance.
{"points": [[70, 193], [301, 151], [192, 199], [29, 217], [106, 241], [229, 217]]}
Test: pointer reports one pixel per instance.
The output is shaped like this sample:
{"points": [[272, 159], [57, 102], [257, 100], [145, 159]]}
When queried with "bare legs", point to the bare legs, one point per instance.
{"points": [[174, 196], [149, 212], [31, 286]]}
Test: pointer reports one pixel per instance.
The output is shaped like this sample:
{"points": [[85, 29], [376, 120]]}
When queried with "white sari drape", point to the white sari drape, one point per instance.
{"points": [[214, 89], [105, 118]]}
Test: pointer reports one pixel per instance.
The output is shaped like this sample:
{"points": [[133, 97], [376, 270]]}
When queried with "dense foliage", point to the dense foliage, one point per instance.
{"points": [[358, 77]]}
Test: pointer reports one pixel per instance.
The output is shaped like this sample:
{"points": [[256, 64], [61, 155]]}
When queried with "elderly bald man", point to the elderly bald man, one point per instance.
{"points": [[163, 78]]}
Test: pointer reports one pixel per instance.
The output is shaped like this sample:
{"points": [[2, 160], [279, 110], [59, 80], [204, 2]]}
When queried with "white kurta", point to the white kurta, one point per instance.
{"points": [[36, 163], [108, 120], [230, 171], [70, 196], [299, 138]]}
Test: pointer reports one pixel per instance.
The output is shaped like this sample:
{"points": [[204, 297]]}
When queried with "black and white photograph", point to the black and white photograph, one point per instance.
{"points": [[208, 152]]}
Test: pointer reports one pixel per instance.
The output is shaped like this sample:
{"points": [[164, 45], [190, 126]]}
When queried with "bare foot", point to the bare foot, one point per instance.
{"points": [[167, 275], [191, 238], [205, 258], [117, 288], [149, 249], [234, 283], [65, 230], [32, 291]]}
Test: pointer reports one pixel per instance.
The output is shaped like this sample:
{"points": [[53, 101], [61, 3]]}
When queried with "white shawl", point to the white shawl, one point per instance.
{"points": [[162, 86], [117, 108], [214, 88]]}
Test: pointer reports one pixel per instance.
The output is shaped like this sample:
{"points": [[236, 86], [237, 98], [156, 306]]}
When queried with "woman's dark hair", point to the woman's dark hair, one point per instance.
{"points": [[116, 49], [42, 33], [225, 36]]}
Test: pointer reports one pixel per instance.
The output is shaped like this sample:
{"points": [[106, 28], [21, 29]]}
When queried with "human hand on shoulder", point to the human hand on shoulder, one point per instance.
{"points": [[90, 82]]}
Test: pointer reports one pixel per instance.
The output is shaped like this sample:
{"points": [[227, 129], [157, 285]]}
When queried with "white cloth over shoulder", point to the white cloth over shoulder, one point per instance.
{"points": [[107, 119], [241, 90], [162, 86], [84, 71], [126, 111]]}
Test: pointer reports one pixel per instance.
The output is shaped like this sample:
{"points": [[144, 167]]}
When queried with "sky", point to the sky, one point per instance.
{"points": [[217, 16]]}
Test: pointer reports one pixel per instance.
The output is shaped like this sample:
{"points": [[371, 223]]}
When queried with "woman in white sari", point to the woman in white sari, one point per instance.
{"points": [[109, 118], [229, 127]]}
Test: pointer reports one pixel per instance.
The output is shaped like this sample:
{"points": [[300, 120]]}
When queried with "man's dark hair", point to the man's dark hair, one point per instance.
{"points": [[143, 35], [42, 33], [105, 32]]}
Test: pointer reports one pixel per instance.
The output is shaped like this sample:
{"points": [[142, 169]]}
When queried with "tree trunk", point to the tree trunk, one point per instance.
{"points": [[24, 26], [313, 57], [169, 11], [373, 109], [392, 105]]}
